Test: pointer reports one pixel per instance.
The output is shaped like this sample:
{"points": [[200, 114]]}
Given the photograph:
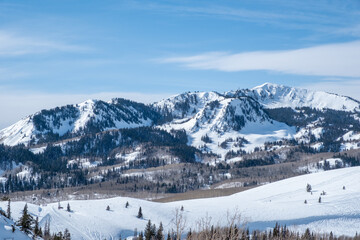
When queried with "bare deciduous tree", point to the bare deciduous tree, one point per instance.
{"points": [[179, 222]]}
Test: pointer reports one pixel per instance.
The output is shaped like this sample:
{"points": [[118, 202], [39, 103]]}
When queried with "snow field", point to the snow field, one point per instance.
{"points": [[261, 208]]}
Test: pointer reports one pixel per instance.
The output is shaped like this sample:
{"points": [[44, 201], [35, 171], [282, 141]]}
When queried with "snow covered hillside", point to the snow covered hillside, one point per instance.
{"points": [[219, 124], [89, 116], [277, 96], [261, 208], [226, 125], [6, 230]]}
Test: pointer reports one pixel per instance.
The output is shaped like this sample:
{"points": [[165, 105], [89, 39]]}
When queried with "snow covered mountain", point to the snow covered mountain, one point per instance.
{"points": [[90, 116], [271, 95], [221, 124], [260, 208], [225, 124]]}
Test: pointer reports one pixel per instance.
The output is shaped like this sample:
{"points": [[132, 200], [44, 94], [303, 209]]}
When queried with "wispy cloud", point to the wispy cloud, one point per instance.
{"points": [[308, 15], [346, 87], [12, 44], [325, 60]]}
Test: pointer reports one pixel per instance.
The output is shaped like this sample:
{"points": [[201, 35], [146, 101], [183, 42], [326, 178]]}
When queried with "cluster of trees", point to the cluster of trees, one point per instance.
{"points": [[121, 109], [334, 123], [151, 232], [52, 162], [102, 145], [348, 160], [30, 226], [234, 232]]}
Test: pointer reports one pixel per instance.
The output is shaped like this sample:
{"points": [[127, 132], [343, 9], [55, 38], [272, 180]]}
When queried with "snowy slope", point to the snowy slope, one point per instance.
{"points": [[6, 230], [277, 96], [224, 119], [19, 132], [91, 115], [187, 104], [261, 207]]}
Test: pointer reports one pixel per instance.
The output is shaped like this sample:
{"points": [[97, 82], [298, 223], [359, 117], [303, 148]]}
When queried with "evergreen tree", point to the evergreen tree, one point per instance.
{"points": [[308, 188], [150, 231], [141, 236], [36, 228], [68, 208], [67, 235], [159, 233], [140, 215], [47, 230], [307, 234], [25, 221], [8, 212]]}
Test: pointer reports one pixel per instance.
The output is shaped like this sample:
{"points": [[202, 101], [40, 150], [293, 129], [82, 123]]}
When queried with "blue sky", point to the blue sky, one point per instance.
{"points": [[59, 52]]}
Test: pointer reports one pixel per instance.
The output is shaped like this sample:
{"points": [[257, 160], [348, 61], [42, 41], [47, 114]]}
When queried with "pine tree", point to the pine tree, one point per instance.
{"points": [[153, 231], [149, 231], [140, 215], [308, 188], [36, 228], [47, 230], [68, 208], [25, 221], [67, 235], [141, 236], [159, 233], [8, 212], [307, 234]]}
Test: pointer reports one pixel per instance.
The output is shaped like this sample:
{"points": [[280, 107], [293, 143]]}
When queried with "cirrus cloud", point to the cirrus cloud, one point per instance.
{"points": [[340, 59], [12, 44]]}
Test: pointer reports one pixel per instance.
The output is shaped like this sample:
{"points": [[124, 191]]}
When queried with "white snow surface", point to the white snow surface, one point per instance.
{"points": [[261, 208], [19, 132], [219, 124], [6, 230], [275, 96], [351, 135]]}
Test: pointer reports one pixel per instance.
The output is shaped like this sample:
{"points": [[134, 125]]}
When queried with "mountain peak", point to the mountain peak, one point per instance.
{"points": [[268, 85], [272, 95]]}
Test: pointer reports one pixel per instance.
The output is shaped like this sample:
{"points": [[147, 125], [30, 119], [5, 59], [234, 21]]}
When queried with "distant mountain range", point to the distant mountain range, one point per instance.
{"points": [[225, 124]]}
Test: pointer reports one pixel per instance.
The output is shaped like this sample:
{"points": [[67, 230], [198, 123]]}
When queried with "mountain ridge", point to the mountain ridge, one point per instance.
{"points": [[220, 123]]}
